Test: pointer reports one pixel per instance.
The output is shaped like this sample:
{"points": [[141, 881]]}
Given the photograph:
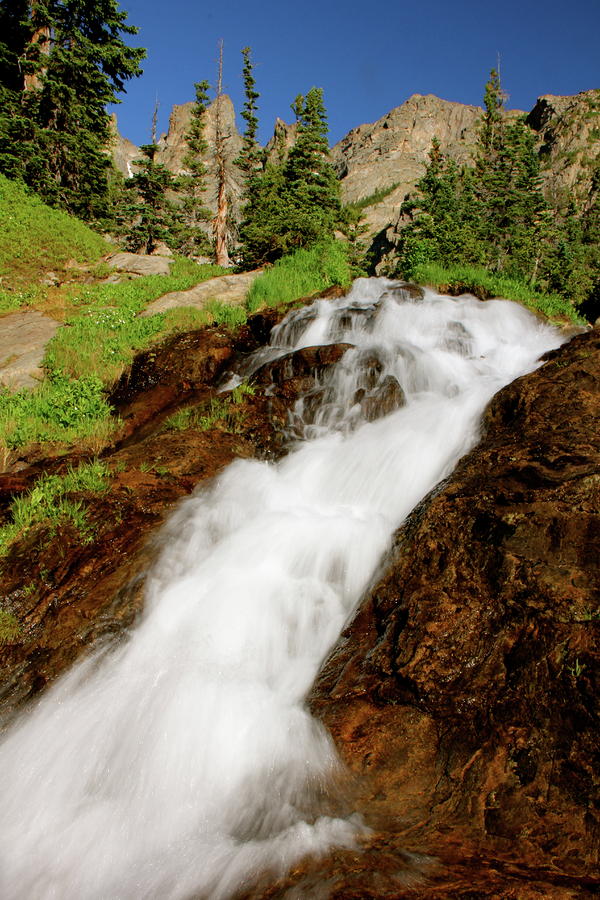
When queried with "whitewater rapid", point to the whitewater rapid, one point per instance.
{"points": [[183, 762]]}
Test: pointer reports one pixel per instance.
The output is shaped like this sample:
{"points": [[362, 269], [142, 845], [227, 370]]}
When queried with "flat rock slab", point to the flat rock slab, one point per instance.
{"points": [[231, 289], [23, 340], [138, 264]]}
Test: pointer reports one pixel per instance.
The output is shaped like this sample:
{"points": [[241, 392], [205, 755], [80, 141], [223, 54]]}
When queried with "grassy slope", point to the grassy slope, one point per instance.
{"points": [[301, 274], [34, 240], [104, 329], [103, 334]]}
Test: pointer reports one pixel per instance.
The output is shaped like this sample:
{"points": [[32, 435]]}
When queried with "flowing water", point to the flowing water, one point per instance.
{"points": [[183, 762]]}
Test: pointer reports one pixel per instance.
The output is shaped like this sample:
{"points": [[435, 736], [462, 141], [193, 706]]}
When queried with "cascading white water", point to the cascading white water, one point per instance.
{"points": [[183, 762]]}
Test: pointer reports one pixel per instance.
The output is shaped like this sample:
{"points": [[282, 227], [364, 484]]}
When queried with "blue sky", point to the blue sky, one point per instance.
{"points": [[368, 57]]}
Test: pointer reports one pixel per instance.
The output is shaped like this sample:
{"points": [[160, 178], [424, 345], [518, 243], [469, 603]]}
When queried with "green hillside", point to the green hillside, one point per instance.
{"points": [[35, 240]]}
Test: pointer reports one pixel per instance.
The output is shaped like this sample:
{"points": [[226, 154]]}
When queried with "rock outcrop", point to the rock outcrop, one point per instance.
{"points": [[123, 151], [284, 137], [23, 342], [138, 264], [230, 289], [393, 151], [569, 144], [172, 148]]}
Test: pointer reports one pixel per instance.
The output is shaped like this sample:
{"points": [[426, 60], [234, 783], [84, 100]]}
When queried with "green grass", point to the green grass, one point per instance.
{"points": [[105, 332], [472, 279], [225, 413], [187, 318], [48, 502], [301, 274], [10, 628], [89, 354], [61, 409], [35, 239]]}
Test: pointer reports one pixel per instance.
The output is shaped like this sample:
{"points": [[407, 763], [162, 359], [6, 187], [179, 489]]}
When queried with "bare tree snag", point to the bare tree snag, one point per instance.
{"points": [[220, 220], [41, 37]]}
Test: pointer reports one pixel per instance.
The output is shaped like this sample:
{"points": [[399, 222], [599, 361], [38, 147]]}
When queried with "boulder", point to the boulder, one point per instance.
{"points": [[23, 339], [139, 264]]}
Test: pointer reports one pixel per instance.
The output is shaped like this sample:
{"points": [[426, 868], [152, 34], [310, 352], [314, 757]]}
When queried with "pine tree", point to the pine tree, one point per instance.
{"points": [[494, 98], [189, 228], [61, 63], [296, 200], [263, 230], [149, 212], [250, 158], [313, 187], [439, 224], [513, 220]]}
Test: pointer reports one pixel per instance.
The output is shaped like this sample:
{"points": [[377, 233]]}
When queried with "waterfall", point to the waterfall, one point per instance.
{"points": [[183, 761]]}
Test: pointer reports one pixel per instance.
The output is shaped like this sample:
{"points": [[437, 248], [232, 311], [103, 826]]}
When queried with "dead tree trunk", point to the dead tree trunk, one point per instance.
{"points": [[220, 220], [39, 44]]}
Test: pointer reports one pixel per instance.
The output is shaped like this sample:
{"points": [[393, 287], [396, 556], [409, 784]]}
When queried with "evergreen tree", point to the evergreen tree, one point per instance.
{"points": [[354, 229], [61, 63], [250, 158], [295, 202], [493, 214], [440, 217], [573, 268], [149, 213], [494, 98], [189, 234], [313, 186]]}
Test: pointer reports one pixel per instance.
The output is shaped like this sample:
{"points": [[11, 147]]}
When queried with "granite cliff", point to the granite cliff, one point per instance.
{"points": [[391, 153]]}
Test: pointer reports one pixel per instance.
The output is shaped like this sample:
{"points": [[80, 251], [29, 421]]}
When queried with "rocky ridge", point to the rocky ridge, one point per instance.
{"points": [[392, 152], [568, 131]]}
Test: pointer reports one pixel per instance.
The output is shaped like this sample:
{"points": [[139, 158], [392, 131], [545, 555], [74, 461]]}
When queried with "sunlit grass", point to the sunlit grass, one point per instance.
{"points": [[472, 279], [35, 239], [301, 274], [49, 502]]}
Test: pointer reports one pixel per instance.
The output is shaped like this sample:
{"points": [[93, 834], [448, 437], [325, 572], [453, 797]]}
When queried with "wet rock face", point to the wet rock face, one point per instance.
{"points": [[465, 695]]}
